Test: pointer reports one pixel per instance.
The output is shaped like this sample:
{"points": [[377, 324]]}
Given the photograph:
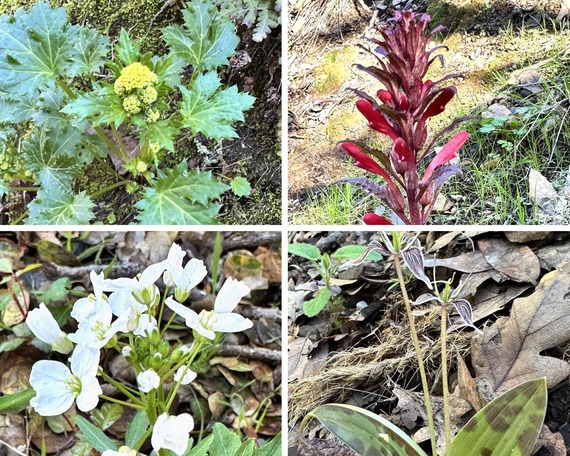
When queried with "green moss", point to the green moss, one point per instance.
{"points": [[335, 69], [262, 208]]}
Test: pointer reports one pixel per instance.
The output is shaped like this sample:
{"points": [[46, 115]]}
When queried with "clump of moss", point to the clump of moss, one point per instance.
{"points": [[335, 69]]}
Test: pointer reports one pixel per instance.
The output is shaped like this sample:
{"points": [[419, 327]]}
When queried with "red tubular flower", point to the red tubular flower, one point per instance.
{"points": [[447, 152], [377, 121], [372, 219], [402, 158], [366, 162], [437, 106]]}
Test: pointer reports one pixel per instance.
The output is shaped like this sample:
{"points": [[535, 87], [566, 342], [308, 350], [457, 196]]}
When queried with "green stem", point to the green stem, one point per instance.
{"points": [[24, 189], [121, 388], [446, 418], [160, 312], [109, 188], [20, 218], [118, 401], [429, 410], [168, 323], [174, 390], [124, 154], [142, 440]]}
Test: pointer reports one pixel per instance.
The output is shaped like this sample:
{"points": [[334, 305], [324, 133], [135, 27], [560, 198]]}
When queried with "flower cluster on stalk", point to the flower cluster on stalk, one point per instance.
{"points": [[127, 306], [136, 86], [401, 111]]}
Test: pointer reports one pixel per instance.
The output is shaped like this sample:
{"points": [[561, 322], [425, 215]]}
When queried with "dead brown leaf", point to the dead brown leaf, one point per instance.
{"points": [[467, 386], [508, 353], [553, 442], [299, 350], [467, 262]]}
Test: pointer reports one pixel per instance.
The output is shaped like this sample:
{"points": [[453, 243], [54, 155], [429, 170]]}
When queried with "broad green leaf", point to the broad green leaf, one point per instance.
{"points": [[55, 158], [4, 188], [308, 251], [15, 403], [246, 448], [168, 70], [162, 132], [508, 425], [272, 448], [57, 291], [355, 251], [101, 106], [89, 52], [48, 104], [95, 436], [225, 443], [365, 432], [136, 429], [313, 306], [106, 415], [181, 197], [207, 109], [202, 447], [127, 51], [35, 48], [207, 39], [240, 186], [14, 111], [60, 206]]}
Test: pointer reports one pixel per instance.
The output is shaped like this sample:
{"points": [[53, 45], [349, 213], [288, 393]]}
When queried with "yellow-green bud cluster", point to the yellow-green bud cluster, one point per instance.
{"points": [[152, 116], [154, 148], [136, 86], [141, 166]]}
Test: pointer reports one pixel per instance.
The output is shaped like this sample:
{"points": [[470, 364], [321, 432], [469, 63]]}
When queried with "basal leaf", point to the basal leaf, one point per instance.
{"points": [[15, 403], [105, 416], [101, 106], [226, 442], [48, 104], [89, 52], [202, 447], [168, 70], [240, 186], [54, 158], [35, 48], [308, 251], [162, 132], [181, 197], [246, 448], [13, 112], [207, 109], [95, 436], [207, 39], [508, 425], [356, 251], [60, 206], [136, 429], [127, 51], [313, 306], [365, 432]]}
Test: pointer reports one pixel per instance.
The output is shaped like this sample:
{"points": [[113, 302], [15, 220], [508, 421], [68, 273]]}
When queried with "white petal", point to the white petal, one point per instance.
{"points": [[48, 380], [89, 396], [148, 380], [172, 432], [192, 274], [43, 325], [84, 362], [230, 295], [188, 374], [231, 322]]}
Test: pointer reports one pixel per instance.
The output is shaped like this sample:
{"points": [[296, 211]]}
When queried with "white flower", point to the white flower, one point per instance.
{"points": [[172, 432], [57, 387], [221, 319], [132, 314], [94, 329], [148, 380], [126, 351], [43, 325], [123, 451], [184, 375]]}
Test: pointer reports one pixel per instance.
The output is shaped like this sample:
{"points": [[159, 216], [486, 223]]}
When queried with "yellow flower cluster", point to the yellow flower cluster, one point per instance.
{"points": [[152, 116], [134, 76], [131, 104], [148, 95], [154, 148]]}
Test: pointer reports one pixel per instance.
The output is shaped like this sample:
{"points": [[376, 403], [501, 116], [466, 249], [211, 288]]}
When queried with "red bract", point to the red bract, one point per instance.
{"points": [[401, 112]]}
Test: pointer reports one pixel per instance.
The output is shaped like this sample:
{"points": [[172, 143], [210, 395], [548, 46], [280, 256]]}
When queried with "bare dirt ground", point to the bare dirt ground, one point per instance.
{"points": [[479, 36]]}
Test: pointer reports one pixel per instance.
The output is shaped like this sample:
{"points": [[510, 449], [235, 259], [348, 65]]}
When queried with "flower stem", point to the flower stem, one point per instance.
{"points": [[446, 419], [118, 401], [121, 388], [174, 390], [141, 441], [124, 155], [429, 410], [109, 188]]}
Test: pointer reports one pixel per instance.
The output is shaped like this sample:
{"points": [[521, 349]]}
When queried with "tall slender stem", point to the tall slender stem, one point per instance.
{"points": [[109, 188], [429, 410], [118, 401], [124, 154], [446, 419]]}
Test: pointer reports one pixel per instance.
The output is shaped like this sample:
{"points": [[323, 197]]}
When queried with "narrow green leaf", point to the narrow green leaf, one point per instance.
{"points": [[15, 403], [95, 436], [510, 424], [136, 429], [308, 251], [225, 443], [355, 251], [240, 186], [11, 344], [365, 432], [208, 109], [207, 39], [272, 448], [313, 306]]}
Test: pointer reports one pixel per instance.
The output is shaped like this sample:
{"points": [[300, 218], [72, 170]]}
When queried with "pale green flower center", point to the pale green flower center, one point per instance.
{"points": [[99, 329], [73, 384], [207, 319]]}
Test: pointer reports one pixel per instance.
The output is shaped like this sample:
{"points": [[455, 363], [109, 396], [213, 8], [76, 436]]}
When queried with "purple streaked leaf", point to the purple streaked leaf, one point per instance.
{"points": [[465, 312]]}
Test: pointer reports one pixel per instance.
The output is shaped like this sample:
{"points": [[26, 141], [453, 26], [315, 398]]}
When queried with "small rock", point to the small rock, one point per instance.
{"points": [[496, 110]]}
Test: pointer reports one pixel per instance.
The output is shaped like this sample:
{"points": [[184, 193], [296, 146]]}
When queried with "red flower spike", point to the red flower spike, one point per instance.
{"points": [[372, 219], [437, 106], [447, 152], [366, 162], [377, 121]]}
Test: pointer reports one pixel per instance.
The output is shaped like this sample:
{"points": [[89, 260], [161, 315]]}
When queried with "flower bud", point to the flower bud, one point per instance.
{"points": [[164, 348], [155, 361], [154, 338]]}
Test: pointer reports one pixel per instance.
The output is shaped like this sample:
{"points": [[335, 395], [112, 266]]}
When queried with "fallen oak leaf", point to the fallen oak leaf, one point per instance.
{"points": [[508, 352]]}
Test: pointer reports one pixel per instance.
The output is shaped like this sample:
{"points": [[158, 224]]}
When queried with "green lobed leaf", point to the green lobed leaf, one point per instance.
{"points": [[14, 111], [226, 442], [90, 52], [95, 436], [35, 48], [313, 306], [58, 205], [208, 110], [181, 197], [240, 186], [207, 39], [105, 416], [308, 251], [356, 251], [101, 106], [15, 403], [136, 429], [510, 424], [4, 188], [272, 448], [365, 432], [127, 51], [168, 70], [47, 106], [162, 132]]}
